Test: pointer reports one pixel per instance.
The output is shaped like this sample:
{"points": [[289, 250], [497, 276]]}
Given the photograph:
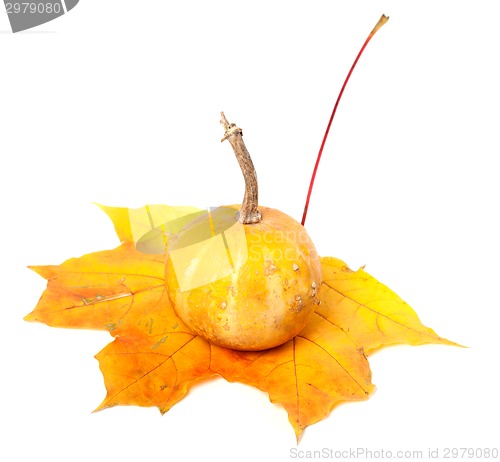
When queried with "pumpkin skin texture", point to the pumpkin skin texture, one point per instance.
{"points": [[268, 297]]}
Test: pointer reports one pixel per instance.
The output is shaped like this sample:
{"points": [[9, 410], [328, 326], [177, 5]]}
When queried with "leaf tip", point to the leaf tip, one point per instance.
{"points": [[119, 216], [104, 208], [30, 317], [447, 342], [46, 271], [102, 406], [299, 432], [36, 269], [435, 339]]}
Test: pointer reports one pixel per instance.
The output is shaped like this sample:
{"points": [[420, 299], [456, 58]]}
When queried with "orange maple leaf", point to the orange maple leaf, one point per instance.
{"points": [[155, 357]]}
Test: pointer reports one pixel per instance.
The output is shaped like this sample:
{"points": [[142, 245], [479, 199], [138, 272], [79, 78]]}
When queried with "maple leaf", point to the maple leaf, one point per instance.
{"points": [[372, 314], [155, 357], [308, 375]]}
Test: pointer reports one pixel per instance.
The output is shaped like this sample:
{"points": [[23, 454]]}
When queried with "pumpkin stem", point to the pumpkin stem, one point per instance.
{"points": [[248, 213]]}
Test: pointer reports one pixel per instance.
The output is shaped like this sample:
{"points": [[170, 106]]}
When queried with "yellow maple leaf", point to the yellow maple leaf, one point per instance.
{"points": [[155, 357], [372, 314]]}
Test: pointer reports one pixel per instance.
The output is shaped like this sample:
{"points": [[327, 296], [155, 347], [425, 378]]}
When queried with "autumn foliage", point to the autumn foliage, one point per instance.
{"points": [[154, 357]]}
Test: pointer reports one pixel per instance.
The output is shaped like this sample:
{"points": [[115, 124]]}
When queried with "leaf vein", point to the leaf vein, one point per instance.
{"points": [[336, 361], [364, 305], [167, 357]]}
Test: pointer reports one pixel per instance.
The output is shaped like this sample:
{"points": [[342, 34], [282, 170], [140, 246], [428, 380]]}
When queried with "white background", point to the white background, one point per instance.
{"points": [[118, 102]]}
